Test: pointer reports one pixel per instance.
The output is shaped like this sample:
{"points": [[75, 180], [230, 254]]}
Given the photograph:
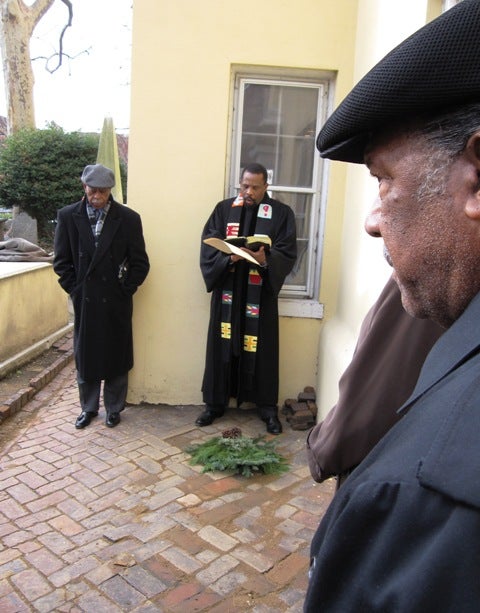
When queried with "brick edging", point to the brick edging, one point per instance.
{"points": [[16, 402]]}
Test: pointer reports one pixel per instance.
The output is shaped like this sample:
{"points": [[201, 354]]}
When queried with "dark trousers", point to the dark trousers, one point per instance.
{"points": [[264, 412], [267, 411], [114, 394]]}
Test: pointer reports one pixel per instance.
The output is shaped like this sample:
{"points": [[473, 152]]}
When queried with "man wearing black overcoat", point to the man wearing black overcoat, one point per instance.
{"points": [[100, 259], [402, 534]]}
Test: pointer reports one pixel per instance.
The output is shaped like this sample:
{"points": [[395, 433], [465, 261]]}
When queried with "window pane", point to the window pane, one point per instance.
{"points": [[301, 205], [260, 108], [276, 119], [299, 274], [278, 131]]}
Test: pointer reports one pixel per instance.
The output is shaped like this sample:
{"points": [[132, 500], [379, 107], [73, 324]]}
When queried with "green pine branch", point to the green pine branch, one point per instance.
{"points": [[242, 455]]}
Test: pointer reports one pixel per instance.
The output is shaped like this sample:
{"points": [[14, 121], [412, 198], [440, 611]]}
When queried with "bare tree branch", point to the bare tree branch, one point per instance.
{"points": [[60, 54], [50, 58], [68, 4]]}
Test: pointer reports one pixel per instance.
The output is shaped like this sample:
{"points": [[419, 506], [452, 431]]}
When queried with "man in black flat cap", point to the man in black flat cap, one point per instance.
{"points": [[100, 259], [402, 534]]}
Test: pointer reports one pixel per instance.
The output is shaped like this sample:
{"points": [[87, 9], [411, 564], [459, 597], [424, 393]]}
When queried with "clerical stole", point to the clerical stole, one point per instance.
{"points": [[251, 314]]}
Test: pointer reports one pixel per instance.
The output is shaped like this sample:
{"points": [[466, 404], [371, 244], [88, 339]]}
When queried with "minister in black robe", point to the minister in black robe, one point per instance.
{"points": [[242, 346]]}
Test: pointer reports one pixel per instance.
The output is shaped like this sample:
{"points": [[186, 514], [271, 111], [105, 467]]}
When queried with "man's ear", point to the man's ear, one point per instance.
{"points": [[472, 154]]}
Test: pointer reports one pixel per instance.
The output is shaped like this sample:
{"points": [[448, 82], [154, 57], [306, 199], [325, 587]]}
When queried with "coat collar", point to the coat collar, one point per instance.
{"points": [[111, 225], [80, 218], [460, 341], [451, 464]]}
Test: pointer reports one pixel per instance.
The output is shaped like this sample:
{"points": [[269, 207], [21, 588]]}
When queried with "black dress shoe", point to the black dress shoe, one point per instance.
{"points": [[207, 417], [273, 425], [113, 419], [84, 419]]}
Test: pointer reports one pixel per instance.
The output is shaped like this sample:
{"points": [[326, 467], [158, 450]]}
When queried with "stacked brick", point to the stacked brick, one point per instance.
{"points": [[13, 404], [301, 413]]}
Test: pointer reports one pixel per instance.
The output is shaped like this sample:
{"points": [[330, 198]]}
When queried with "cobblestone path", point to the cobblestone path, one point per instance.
{"points": [[110, 520]]}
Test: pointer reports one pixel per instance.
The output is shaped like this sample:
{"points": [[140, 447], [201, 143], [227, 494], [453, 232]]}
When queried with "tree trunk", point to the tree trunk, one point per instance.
{"points": [[17, 22]]}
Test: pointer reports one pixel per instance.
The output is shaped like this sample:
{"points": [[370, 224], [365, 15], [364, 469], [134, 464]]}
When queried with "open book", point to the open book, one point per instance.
{"points": [[233, 244]]}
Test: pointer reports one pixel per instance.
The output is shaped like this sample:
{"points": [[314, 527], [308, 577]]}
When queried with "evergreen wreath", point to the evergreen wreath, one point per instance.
{"points": [[241, 454]]}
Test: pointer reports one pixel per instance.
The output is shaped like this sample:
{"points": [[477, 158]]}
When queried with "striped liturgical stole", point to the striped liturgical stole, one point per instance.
{"points": [[250, 316]]}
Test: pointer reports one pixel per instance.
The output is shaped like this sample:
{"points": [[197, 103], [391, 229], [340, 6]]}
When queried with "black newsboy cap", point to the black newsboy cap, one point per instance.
{"points": [[436, 67]]}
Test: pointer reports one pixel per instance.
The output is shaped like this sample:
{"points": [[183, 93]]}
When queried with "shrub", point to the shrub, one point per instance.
{"points": [[40, 171]]}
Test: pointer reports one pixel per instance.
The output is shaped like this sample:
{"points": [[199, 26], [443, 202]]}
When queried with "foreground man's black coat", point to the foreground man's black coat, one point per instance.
{"points": [[403, 533], [219, 383], [102, 301], [391, 349]]}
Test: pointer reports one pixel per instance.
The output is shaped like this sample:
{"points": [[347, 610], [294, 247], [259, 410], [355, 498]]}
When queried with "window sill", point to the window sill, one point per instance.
{"points": [[300, 308]]}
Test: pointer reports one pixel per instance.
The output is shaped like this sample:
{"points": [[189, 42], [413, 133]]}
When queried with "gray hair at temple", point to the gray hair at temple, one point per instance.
{"points": [[450, 130]]}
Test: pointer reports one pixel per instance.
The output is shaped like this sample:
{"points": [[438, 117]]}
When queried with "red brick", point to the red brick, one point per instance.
{"points": [[202, 601], [4, 411], [225, 511], [162, 570], [259, 585], [11, 604], [304, 396], [306, 519], [195, 484], [231, 603], [186, 540], [286, 570], [180, 594], [65, 525], [219, 487]]}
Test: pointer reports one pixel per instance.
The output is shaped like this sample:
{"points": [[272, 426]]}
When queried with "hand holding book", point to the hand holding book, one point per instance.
{"points": [[233, 245]]}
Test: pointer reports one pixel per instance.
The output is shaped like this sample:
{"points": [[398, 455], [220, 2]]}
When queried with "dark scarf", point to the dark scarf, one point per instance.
{"points": [[250, 318]]}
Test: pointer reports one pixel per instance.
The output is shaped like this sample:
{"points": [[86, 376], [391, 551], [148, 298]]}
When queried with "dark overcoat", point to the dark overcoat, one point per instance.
{"points": [[403, 533], [102, 301], [218, 383], [391, 349]]}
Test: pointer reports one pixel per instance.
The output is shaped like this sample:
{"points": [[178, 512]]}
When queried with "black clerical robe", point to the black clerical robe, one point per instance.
{"points": [[226, 375]]}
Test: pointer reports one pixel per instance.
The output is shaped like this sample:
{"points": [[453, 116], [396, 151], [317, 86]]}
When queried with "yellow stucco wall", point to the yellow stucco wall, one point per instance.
{"points": [[32, 306], [361, 271], [183, 54]]}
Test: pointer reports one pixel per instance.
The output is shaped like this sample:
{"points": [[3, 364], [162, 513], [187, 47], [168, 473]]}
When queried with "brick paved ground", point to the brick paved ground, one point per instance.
{"points": [[106, 520]]}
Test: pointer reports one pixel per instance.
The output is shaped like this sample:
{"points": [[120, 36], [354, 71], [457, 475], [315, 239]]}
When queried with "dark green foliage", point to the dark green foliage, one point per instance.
{"points": [[123, 179], [40, 171], [241, 454]]}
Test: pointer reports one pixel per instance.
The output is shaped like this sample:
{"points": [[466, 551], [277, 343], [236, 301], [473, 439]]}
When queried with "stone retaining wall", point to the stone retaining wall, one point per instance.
{"points": [[33, 312]]}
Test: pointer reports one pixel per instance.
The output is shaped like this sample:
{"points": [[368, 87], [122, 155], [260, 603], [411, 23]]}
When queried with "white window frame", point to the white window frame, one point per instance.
{"points": [[294, 302]]}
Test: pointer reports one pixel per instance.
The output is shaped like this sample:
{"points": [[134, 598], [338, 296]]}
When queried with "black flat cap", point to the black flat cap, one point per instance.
{"points": [[436, 67]]}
